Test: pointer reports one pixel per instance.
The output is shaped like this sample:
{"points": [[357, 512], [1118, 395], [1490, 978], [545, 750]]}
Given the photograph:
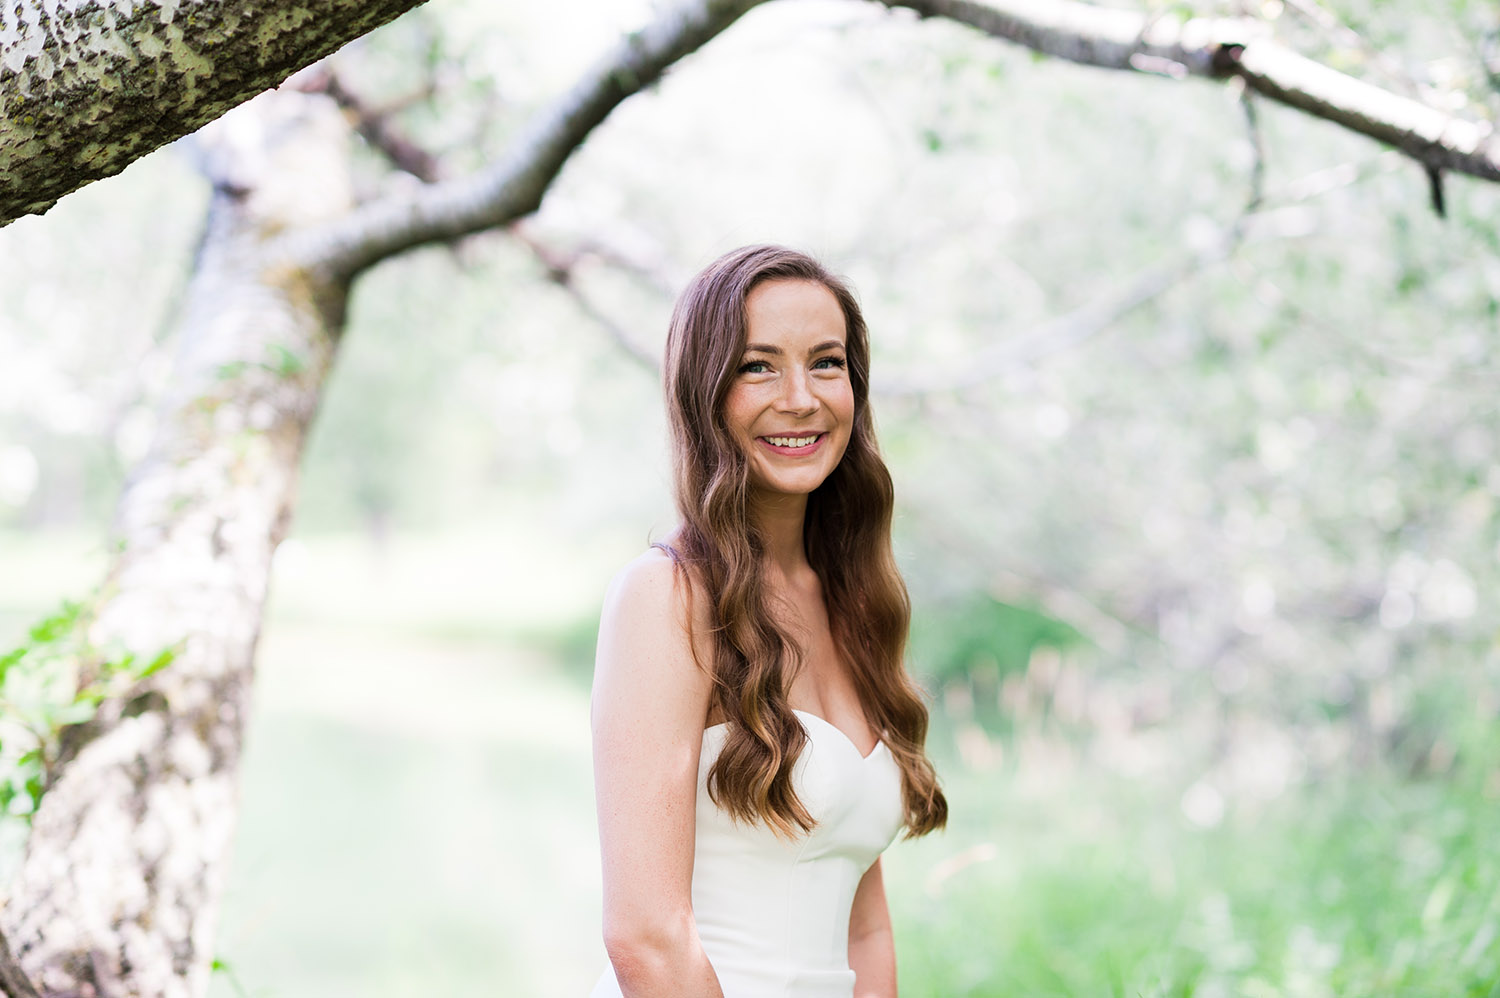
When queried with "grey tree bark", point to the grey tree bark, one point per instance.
{"points": [[89, 86], [117, 891]]}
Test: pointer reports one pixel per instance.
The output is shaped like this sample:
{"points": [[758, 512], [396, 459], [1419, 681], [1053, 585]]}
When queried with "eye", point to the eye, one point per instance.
{"points": [[755, 367], [828, 363]]}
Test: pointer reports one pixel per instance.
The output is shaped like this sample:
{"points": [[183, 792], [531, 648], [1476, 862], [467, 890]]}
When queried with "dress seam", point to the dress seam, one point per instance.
{"points": [[786, 903]]}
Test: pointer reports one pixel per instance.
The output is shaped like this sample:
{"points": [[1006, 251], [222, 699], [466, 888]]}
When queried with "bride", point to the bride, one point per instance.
{"points": [[757, 740]]}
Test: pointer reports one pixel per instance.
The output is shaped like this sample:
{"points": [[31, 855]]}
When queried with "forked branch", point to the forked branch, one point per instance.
{"points": [[513, 186]]}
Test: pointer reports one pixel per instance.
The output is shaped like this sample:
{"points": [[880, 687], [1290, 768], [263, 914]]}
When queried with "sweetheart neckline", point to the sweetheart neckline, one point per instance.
{"points": [[828, 724]]}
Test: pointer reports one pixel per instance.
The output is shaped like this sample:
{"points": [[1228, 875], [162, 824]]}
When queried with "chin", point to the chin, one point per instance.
{"points": [[799, 486]]}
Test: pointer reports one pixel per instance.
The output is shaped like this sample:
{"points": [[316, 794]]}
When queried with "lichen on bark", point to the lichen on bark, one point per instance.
{"points": [[91, 86]]}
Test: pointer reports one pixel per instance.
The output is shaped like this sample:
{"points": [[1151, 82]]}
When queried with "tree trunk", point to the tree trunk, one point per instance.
{"points": [[91, 86], [118, 890]]}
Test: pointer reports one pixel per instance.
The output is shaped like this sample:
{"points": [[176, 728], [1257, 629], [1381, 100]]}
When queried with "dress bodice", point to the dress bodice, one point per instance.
{"points": [[773, 913]]}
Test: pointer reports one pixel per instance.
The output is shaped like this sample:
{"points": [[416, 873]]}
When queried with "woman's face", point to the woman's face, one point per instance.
{"points": [[791, 406]]}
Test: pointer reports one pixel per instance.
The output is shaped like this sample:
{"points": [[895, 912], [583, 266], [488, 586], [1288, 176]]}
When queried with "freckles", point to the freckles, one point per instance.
{"points": [[739, 405]]}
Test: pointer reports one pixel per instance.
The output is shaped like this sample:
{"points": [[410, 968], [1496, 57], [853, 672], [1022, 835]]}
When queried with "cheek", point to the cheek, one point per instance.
{"points": [[738, 412], [843, 404]]}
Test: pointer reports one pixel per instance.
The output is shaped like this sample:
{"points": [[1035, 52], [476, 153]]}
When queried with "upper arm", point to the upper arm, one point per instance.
{"points": [[650, 700]]}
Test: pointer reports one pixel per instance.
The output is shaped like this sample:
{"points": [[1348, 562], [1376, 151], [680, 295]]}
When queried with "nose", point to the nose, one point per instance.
{"points": [[796, 397]]}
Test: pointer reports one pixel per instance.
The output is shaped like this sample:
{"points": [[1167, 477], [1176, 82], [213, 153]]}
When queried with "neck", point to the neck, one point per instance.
{"points": [[780, 518]]}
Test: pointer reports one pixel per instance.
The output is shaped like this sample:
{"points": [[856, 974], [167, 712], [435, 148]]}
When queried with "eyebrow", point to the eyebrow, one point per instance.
{"points": [[777, 351]]}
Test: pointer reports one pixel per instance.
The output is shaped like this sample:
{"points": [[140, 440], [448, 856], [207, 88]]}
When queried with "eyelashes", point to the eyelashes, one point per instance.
{"points": [[749, 366]]}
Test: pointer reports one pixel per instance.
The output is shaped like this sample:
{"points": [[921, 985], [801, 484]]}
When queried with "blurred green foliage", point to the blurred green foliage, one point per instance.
{"points": [[980, 634], [54, 680], [1376, 885]]}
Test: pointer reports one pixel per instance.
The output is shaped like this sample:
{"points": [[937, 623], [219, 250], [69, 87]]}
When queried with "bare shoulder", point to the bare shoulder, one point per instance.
{"points": [[644, 666], [649, 581], [653, 590]]}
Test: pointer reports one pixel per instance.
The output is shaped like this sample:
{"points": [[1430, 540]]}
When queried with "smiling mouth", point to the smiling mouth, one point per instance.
{"points": [[802, 443]]}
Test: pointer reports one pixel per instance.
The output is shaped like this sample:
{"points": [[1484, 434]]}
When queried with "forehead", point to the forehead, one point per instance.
{"points": [[792, 312]]}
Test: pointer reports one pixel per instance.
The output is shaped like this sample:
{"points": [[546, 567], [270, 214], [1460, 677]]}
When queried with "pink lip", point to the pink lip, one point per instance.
{"points": [[792, 451]]}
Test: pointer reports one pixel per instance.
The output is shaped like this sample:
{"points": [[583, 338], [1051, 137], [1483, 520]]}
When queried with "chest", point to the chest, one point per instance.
{"points": [[823, 684]]}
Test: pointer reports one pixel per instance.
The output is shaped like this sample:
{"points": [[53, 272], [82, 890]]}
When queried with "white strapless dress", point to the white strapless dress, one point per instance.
{"points": [[774, 915]]}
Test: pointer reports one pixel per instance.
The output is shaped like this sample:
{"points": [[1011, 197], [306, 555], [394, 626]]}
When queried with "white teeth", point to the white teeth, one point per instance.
{"points": [[791, 441]]}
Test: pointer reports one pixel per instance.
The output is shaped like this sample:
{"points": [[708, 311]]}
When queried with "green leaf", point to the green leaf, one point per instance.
{"points": [[50, 629], [158, 663], [10, 658]]}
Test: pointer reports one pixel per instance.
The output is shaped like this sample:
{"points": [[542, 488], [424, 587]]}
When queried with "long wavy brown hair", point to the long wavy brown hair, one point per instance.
{"points": [[847, 535]]}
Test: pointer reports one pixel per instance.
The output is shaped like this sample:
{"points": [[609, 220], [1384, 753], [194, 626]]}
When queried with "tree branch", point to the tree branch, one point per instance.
{"points": [[514, 186], [1257, 143], [1118, 39], [561, 270], [1432, 137], [89, 87], [375, 125], [1098, 36]]}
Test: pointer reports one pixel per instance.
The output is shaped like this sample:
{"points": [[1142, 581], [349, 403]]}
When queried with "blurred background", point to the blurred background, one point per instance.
{"points": [[1192, 417]]}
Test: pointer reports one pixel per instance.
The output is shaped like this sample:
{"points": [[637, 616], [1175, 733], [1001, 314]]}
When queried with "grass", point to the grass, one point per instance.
{"points": [[417, 818], [1375, 885]]}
